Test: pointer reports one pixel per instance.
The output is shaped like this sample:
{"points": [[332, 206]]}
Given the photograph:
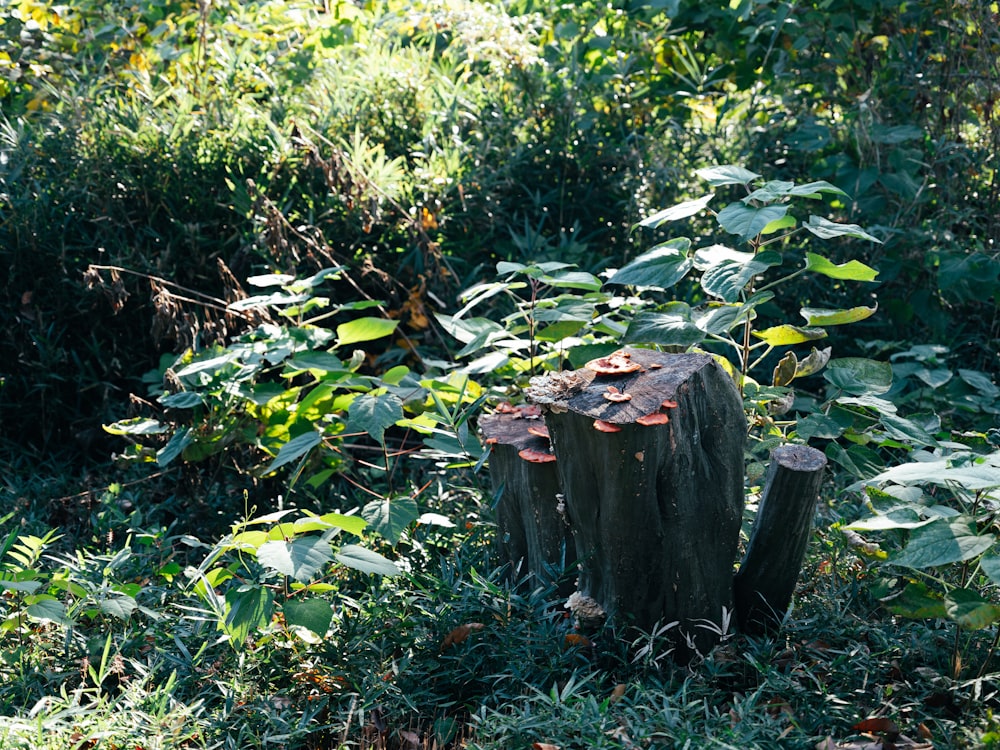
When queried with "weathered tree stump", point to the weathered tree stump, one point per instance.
{"points": [[766, 579], [533, 531], [655, 508], [649, 454]]}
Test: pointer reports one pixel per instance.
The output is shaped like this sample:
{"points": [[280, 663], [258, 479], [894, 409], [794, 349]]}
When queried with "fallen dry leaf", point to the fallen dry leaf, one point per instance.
{"points": [[544, 746], [877, 724], [618, 693], [459, 634], [575, 639]]}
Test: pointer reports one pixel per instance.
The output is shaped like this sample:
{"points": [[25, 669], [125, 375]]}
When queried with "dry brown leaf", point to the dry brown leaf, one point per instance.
{"points": [[576, 639], [544, 746], [459, 634], [618, 693], [877, 724]]}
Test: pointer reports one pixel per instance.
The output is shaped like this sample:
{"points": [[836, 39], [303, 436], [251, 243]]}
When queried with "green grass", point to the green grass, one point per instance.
{"points": [[164, 676]]}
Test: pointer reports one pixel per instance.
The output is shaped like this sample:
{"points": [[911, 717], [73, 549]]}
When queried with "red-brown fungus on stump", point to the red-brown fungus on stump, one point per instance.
{"points": [[524, 411], [601, 426], [535, 456], [669, 404], [656, 417], [539, 430], [615, 396], [617, 363]]}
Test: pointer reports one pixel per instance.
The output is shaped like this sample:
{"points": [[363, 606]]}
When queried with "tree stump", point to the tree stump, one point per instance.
{"points": [[650, 462], [533, 531], [766, 580]]}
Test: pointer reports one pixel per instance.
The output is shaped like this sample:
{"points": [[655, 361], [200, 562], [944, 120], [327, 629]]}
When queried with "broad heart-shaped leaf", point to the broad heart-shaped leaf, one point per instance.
{"points": [[175, 446], [300, 558], [825, 229], [785, 335], [816, 316], [916, 601], [662, 329], [990, 565], [572, 280], [294, 449], [906, 430], [778, 189], [747, 221], [815, 362], [970, 610], [858, 376], [374, 414], [250, 608], [973, 476], [390, 517], [851, 271], [897, 518], [726, 174], [364, 329], [680, 211], [733, 270], [660, 268], [118, 605], [943, 542], [52, 610], [313, 614], [366, 561], [181, 400]]}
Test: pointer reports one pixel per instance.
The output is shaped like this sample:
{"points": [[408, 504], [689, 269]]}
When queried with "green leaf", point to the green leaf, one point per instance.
{"points": [[970, 610], [662, 329], [572, 280], [826, 229], [181, 400], [850, 271], [718, 319], [746, 221], [897, 518], [942, 543], [973, 476], [364, 329], [136, 426], [906, 430], [785, 335], [374, 414], [785, 222], [51, 610], [858, 376], [351, 524], [815, 362], [118, 606], [250, 608], [175, 446], [323, 362], [916, 601], [294, 449], [819, 426], [27, 587], [300, 558], [727, 272], [990, 565], [313, 614], [660, 268], [679, 211], [366, 561], [816, 316], [391, 517], [726, 174]]}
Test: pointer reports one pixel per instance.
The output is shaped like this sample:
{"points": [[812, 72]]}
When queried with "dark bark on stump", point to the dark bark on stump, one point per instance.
{"points": [[533, 533], [764, 585], [655, 510]]}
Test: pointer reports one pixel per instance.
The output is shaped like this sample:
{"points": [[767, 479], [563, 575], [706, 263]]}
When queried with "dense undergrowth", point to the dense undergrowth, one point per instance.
{"points": [[260, 242]]}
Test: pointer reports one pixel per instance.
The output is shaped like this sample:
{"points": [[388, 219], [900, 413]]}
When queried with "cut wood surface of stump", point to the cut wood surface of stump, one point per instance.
{"points": [[650, 462]]}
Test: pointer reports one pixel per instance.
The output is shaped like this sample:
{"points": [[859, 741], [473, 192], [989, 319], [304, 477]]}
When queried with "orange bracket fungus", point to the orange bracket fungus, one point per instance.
{"points": [[618, 363]]}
